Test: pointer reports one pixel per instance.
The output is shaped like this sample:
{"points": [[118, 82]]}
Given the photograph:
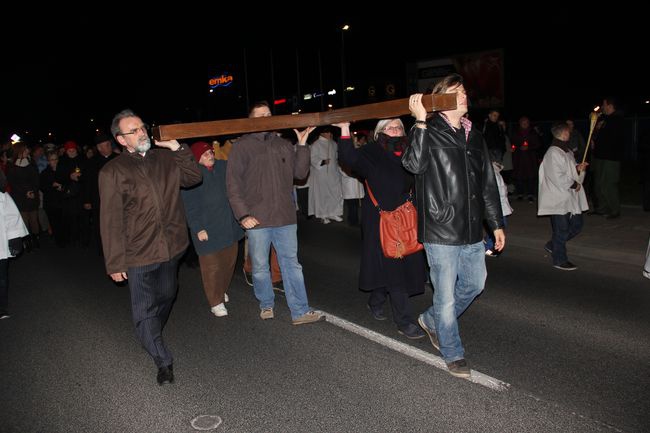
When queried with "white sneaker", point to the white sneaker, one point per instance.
{"points": [[219, 310], [325, 220], [226, 298], [337, 218]]}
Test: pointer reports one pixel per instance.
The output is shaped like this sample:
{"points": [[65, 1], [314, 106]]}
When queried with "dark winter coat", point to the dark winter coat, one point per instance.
{"points": [[23, 180], [526, 143], [390, 184], [207, 208], [142, 217]]}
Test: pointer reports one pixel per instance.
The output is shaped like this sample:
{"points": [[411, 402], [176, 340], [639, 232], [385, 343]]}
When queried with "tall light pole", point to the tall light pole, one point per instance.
{"points": [[344, 29]]}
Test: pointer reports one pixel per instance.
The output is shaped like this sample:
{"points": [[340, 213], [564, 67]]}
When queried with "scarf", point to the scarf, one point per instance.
{"points": [[394, 145]]}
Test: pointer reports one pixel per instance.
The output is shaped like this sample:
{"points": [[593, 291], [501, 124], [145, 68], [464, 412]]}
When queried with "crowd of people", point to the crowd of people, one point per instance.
{"points": [[142, 206]]}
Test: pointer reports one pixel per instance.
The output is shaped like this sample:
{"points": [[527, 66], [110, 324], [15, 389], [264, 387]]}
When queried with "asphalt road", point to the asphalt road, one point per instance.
{"points": [[573, 347]]}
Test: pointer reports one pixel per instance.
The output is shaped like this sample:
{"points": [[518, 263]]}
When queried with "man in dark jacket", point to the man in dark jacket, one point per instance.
{"points": [[609, 140], [72, 174], [456, 190], [143, 227], [104, 145], [495, 137], [259, 181]]}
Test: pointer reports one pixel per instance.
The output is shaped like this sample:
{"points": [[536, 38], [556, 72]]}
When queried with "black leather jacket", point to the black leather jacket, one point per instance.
{"points": [[455, 184]]}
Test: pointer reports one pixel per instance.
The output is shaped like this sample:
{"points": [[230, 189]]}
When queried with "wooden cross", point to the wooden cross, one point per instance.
{"points": [[379, 110]]}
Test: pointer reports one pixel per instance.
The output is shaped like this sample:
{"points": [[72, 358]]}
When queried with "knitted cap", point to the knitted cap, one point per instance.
{"points": [[199, 148]]}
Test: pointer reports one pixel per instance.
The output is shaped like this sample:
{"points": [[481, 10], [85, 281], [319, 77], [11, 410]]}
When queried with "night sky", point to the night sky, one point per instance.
{"points": [[152, 66]]}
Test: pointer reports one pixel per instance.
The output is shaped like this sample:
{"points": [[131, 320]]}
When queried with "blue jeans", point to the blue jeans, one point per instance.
{"points": [[458, 275], [565, 227], [285, 241]]}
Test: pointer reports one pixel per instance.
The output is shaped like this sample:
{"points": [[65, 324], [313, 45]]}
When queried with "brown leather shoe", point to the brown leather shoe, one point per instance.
{"points": [[459, 368], [309, 317]]}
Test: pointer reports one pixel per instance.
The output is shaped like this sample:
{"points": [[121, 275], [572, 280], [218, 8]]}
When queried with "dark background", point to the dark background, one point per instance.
{"points": [[82, 66]]}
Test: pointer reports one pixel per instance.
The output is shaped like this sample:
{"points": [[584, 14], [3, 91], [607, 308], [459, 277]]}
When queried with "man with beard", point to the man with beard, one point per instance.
{"points": [[143, 227]]}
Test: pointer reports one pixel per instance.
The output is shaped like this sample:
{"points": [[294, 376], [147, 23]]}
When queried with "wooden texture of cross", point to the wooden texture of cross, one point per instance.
{"points": [[379, 110]]}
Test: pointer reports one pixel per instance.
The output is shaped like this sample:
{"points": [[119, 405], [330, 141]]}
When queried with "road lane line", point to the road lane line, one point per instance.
{"points": [[413, 352]]}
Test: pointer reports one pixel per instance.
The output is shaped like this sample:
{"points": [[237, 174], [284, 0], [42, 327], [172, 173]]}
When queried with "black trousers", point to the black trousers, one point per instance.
{"points": [[399, 302], [153, 291], [352, 207], [4, 285]]}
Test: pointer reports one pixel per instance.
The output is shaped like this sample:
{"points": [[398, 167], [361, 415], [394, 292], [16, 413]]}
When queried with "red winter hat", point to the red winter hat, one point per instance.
{"points": [[70, 145], [199, 148]]}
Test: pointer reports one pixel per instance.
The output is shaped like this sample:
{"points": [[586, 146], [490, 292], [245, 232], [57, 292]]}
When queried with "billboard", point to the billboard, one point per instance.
{"points": [[482, 72]]}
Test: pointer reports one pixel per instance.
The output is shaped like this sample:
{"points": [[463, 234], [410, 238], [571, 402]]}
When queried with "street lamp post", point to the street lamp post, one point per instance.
{"points": [[345, 28]]}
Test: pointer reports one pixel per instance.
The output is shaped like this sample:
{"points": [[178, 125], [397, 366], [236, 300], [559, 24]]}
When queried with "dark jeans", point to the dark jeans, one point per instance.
{"points": [[565, 227]]}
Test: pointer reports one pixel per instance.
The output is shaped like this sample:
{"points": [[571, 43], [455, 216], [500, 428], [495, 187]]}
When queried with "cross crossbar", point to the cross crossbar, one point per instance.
{"points": [[379, 110]]}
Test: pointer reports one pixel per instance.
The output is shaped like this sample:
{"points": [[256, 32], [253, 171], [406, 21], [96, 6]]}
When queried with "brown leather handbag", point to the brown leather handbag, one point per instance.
{"points": [[398, 229]]}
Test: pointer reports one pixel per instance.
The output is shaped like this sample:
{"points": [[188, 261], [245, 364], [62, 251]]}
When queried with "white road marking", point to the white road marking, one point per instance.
{"points": [[206, 422], [415, 353]]}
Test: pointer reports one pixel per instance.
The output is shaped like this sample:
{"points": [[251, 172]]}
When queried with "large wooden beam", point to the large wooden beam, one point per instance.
{"points": [[380, 110]]}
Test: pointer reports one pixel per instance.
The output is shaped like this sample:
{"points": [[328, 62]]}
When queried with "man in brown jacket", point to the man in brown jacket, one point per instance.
{"points": [[143, 227], [259, 182]]}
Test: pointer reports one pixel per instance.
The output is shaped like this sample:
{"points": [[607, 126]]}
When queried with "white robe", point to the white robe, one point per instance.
{"points": [[325, 195], [556, 175], [351, 187], [11, 224]]}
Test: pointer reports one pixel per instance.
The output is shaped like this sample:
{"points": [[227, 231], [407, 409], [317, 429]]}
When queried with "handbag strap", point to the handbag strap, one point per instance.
{"points": [[372, 196], [374, 201]]}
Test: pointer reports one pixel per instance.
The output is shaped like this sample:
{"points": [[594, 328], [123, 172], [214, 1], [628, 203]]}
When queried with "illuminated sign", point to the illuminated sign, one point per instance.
{"points": [[223, 80]]}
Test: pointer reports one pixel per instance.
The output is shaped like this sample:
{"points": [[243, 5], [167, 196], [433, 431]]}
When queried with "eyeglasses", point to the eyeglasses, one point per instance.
{"points": [[393, 128], [144, 128]]}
